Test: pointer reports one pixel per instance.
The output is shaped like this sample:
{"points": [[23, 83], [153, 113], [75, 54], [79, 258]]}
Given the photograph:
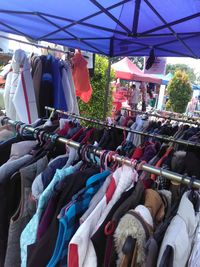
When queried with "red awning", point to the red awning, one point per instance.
{"points": [[125, 69]]}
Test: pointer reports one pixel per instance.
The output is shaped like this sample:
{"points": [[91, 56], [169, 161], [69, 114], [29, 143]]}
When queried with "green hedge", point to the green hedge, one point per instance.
{"points": [[94, 108], [179, 91]]}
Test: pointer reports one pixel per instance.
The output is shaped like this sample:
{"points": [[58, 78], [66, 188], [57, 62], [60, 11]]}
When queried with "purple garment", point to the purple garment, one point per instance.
{"points": [[87, 135], [76, 136], [150, 151], [72, 131], [47, 217], [50, 171]]}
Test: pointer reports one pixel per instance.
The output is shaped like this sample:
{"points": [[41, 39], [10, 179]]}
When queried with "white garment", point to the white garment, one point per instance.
{"points": [[138, 125], [72, 156], [122, 179], [135, 96], [180, 233], [19, 94], [24, 98], [69, 90], [145, 214], [10, 88], [194, 260]]}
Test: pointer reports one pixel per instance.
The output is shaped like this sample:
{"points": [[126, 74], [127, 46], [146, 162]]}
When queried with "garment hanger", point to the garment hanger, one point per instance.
{"points": [[22, 129], [84, 157], [17, 126], [94, 150], [79, 151], [48, 47], [32, 51], [43, 138], [114, 163], [89, 153], [102, 159], [52, 113], [38, 136]]}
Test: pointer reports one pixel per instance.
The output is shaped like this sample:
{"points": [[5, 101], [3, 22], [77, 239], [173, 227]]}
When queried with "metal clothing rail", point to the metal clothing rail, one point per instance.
{"points": [[160, 137], [163, 117], [178, 115], [120, 159]]}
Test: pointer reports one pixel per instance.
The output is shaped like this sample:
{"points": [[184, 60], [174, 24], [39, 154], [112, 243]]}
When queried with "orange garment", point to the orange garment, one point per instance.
{"points": [[81, 77], [160, 162]]}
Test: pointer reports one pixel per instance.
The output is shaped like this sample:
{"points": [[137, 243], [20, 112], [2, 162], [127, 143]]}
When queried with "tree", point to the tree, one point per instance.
{"points": [[183, 67], [179, 91], [95, 107], [138, 61]]}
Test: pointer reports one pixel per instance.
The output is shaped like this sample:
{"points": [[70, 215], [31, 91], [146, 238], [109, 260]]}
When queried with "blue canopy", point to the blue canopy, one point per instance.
{"points": [[165, 78], [109, 27], [195, 87]]}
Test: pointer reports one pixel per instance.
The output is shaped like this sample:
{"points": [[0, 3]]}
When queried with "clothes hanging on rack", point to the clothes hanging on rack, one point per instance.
{"points": [[19, 90], [44, 81], [183, 224], [59, 99], [36, 73], [69, 87], [161, 128], [81, 77], [72, 201], [145, 151], [53, 84], [46, 85], [126, 129], [165, 115]]}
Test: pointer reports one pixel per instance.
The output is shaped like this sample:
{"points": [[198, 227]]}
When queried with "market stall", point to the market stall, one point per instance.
{"points": [[125, 69], [64, 198]]}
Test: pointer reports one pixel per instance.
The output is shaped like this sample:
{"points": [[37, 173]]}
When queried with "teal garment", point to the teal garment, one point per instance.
{"points": [[69, 223], [29, 234]]}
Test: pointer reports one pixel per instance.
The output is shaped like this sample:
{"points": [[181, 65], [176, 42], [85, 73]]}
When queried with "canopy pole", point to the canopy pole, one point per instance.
{"points": [[136, 17], [107, 90]]}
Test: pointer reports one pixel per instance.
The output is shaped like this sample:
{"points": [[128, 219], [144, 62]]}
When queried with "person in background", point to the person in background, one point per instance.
{"points": [[191, 107], [119, 119], [198, 103], [144, 95], [134, 97]]}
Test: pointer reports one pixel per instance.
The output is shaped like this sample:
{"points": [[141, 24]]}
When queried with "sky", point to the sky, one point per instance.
{"points": [[191, 62]]}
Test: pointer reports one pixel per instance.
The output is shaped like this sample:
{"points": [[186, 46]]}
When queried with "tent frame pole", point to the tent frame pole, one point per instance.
{"points": [[107, 91], [136, 17]]}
